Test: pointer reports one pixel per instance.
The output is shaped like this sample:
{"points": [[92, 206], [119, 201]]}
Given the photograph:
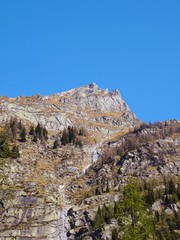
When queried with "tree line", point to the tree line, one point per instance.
{"points": [[70, 135], [15, 131]]}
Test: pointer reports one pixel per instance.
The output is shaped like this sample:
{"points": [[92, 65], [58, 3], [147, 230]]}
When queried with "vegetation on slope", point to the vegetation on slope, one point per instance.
{"points": [[137, 218]]}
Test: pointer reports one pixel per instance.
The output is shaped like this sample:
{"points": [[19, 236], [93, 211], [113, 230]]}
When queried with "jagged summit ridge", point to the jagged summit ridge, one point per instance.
{"points": [[88, 105], [94, 97], [91, 88]]}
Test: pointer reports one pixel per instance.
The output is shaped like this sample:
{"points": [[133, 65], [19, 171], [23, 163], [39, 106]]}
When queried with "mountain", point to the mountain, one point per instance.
{"points": [[55, 112], [65, 162]]}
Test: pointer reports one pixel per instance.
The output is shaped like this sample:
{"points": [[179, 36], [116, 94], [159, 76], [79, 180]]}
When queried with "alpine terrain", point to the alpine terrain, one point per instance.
{"points": [[80, 165]]}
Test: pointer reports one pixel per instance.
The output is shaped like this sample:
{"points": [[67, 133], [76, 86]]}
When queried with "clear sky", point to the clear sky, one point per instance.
{"points": [[49, 46]]}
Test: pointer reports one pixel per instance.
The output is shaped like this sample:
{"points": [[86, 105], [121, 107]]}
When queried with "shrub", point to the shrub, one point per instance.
{"points": [[56, 144], [15, 152]]}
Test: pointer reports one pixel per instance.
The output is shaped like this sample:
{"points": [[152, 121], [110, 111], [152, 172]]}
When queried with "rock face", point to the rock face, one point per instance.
{"points": [[54, 194], [35, 203], [88, 106], [93, 97], [151, 160]]}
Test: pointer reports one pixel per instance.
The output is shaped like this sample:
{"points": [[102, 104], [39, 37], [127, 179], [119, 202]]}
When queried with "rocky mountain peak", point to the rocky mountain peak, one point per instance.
{"points": [[93, 97], [88, 106]]}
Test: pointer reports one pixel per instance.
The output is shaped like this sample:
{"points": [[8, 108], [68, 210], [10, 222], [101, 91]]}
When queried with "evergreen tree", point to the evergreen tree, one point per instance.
{"points": [[172, 187], [115, 234], [99, 220], [107, 187], [38, 130], [71, 134], [116, 209], [55, 144], [45, 133], [32, 131], [15, 152], [133, 218], [4, 145], [65, 137], [178, 191], [35, 138], [108, 213], [23, 135], [150, 197], [20, 126], [133, 202], [13, 127]]}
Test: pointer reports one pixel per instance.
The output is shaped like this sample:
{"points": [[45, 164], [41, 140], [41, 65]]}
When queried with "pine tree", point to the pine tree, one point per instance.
{"points": [[35, 138], [15, 152], [14, 127], [4, 145], [99, 220], [72, 134], [150, 197], [32, 131], [45, 133], [38, 130], [23, 135], [135, 222], [172, 187], [115, 234], [108, 213], [107, 187], [178, 191], [56, 144], [65, 137]]}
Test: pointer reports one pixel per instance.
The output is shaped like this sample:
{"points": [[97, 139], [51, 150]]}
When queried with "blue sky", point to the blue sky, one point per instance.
{"points": [[130, 45]]}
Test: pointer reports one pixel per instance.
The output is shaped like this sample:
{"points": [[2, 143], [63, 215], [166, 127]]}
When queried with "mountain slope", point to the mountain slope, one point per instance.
{"points": [[53, 191], [97, 110]]}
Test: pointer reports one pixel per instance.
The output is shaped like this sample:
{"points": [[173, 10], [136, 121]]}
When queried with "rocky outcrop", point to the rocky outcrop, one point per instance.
{"points": [[87, 106], [152, 160]]}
